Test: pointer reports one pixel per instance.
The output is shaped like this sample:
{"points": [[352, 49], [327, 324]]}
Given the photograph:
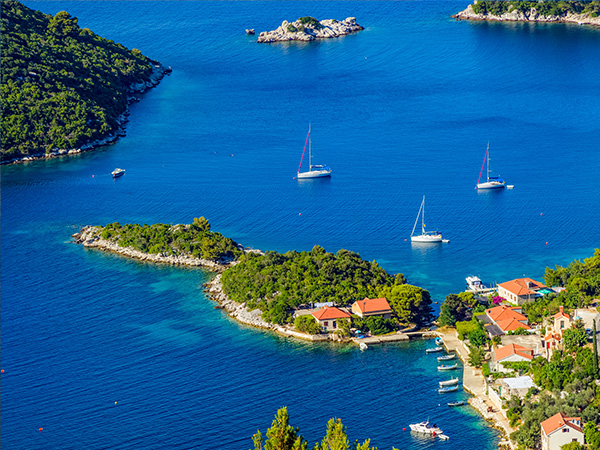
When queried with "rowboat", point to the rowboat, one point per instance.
{"points": [[452, 367]]}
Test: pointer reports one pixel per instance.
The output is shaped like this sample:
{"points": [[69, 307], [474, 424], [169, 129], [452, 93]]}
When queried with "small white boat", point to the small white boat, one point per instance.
{"points": [[314, 170], [446, 357], [510, 186], [118, 172], [444, 390], [459, 403], [451, 382], [452, 367], [434, 350], [426, 428], [363, 346], [425, 236], [491, 182], [439, 341]]}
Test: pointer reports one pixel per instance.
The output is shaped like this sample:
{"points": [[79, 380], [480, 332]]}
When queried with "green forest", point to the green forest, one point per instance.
{"points": [[276, 283], [62, 86], [545, 8], [195, 239]]}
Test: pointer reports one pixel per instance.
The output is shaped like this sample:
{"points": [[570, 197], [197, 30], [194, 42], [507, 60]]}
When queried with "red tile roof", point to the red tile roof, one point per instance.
{"points": [[373, 305], [511, 324], [513, 349], [557, 421], [330, 312], [560, 314], [504, 312], [520, 286]]}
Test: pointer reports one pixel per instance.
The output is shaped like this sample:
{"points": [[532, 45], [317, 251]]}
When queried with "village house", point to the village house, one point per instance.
{"points": [[559, 430], [502, 319], [372, 307], [555, 327], [509, 353], [328, 317], [521, 290]]}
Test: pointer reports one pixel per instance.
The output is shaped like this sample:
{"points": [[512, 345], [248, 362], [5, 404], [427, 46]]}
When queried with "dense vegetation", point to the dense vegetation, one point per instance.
{"points": [[196, 239], [62, 86], [277, 283], [581, 281], [282, 436], [545, 8]]}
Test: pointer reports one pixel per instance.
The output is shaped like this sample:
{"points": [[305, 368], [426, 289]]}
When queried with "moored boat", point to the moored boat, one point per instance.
{"points": [[446, 357], [439, 341], [434, 350], [491, 182], [426, 428], [450, 382], [425, 236], [118, 172], [452, 367], [460, 403], [444, 390], [314, 170]]}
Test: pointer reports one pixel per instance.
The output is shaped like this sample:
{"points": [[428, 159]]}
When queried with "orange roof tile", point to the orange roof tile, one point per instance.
{"points": [[557, 421], [372, 305], [560, 314], [513, 349], [519, 286], [504, 312], [511, 324], [330, 312]]}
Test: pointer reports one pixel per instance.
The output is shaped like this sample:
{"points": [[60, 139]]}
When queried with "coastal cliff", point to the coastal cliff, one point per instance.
{"points": [[310, 29], [524, 12]]}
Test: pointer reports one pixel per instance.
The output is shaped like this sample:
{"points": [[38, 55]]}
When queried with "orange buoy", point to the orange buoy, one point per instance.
{"points": [[41, 429], [541, 214], [2, 371], [434, 434], [546, 243], [403, 429], [299, 214]]}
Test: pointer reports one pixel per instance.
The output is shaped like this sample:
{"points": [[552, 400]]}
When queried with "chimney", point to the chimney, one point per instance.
{"points": [[561, 309]]}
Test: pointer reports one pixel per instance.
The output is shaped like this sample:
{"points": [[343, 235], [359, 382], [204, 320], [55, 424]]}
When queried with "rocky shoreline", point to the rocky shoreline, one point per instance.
{"points": [[89, 236], [310, 29], [530, 16], [158, 73]]}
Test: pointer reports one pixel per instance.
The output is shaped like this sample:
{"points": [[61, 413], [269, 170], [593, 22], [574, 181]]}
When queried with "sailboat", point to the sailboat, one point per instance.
{"points": [[425, 236], [491, 182], [314, 171]]}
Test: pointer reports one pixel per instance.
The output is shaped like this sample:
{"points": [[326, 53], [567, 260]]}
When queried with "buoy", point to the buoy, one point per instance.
{"points": [[546, 243], [93, 176], [541, 214], [403, 429], [404, 240], [2, 371], [115, 403], [41, 429], [434, 434], [299, 214]]}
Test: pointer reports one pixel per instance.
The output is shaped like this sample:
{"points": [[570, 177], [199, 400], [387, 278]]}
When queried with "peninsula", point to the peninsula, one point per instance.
{"points": [[280, 292], [309, 29], [581, 12], [65, 89]]}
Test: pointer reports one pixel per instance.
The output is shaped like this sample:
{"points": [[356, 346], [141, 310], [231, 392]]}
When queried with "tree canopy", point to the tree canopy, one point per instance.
{"points": [[545, 8], [62, 86]]}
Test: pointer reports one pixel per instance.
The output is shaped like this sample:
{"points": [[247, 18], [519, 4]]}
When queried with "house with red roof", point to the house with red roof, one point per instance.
{"points": [[502, 319], [328, 317], [372, 307], [520, 290], [559, 430], [510, 353]]}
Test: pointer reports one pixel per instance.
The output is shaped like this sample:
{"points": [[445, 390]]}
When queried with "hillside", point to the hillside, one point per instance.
{"points": [[63, 87]]}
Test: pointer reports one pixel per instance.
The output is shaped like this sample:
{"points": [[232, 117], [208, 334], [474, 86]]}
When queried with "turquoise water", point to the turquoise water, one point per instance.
{"points": [[402, 109]]}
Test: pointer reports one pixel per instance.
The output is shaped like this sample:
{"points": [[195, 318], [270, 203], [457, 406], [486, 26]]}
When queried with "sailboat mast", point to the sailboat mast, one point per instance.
{"points": [[488, 162], [309, 153], [423, 217], [417, 219]]}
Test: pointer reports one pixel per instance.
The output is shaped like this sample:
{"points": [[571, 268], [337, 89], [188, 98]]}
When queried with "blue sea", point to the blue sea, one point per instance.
{"points": [[102, 352]]}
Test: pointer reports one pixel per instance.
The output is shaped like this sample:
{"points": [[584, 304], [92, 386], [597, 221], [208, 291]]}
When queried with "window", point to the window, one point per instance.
{"points": [[334, 324], [326, 324], [562, 324], [565, 430]]}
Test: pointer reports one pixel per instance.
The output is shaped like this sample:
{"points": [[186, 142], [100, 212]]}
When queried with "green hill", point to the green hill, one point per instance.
{"points": [[62, 86]]}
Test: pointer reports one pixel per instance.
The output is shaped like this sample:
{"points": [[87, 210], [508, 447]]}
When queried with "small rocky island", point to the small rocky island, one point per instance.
{"points": [[587, 13], [309, 29]]}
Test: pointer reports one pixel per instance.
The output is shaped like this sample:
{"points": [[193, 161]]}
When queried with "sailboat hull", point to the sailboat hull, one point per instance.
{"points": [[427, 238], [491, 185], [314, 174]]}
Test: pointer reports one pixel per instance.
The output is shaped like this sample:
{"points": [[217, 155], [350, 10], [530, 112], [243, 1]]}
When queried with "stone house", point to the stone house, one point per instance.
{"points": [[502, 319], [328, 317], [509, 353], [372, 307], [520, 290]]}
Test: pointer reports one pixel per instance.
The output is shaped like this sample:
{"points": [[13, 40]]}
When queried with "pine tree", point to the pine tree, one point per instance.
{"points": [[281, 435], [595, 348]]}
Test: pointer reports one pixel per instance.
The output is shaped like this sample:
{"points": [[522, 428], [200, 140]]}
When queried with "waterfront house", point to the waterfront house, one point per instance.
{"points": [[519, 386], [372, 307], [509, 353], [328, 317], [521, 290], [502, 319], [559, 430]]}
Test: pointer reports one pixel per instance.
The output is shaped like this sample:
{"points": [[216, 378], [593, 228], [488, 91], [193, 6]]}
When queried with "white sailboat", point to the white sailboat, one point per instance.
{"points": [[314, 170], [491, 182], [425, 236]]}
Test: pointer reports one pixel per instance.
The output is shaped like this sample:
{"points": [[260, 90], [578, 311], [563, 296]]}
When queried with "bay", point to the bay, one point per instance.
{"points": [[402, 109]]}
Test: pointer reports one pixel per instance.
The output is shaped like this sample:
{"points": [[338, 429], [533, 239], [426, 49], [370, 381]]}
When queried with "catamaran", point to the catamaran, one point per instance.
{"points": [[491, 182], [425, 236], [314, 170]]}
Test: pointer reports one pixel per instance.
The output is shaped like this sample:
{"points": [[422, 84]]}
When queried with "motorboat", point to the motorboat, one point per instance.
{"points": [[450, 382], [434, 350], [444, 390], [452, 367], [118, 172], [460, 403], [426, 428], [446, 357]]}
